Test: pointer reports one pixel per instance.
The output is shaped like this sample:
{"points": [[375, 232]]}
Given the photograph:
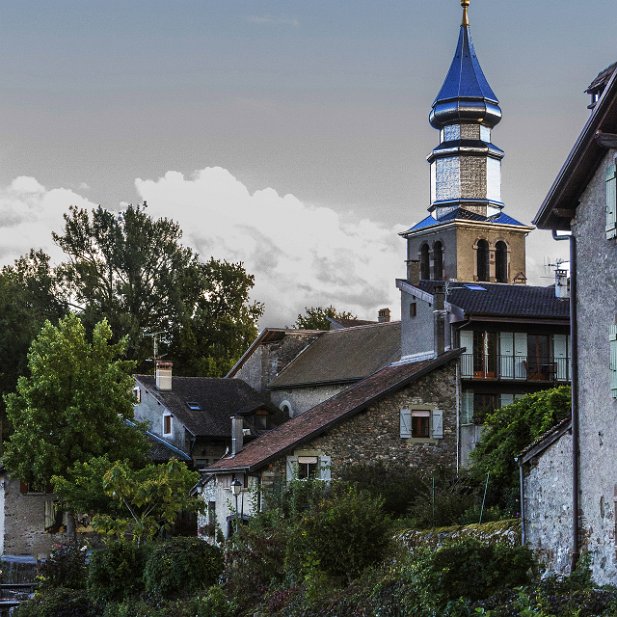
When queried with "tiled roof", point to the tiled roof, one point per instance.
{"points": [[504, 300], [343, 356], [219, 399], [460, 214], [324, 416]]}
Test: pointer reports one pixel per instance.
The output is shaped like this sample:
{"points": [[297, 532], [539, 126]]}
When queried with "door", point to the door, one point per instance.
{"points": [[466, 340], [520, 355], [560, 356]]}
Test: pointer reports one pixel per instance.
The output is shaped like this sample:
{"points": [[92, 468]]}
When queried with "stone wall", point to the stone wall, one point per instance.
{"points": [[596, 301], [548, 506]]}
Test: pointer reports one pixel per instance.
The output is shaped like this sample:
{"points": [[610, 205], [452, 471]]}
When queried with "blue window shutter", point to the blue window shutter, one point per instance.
{"points": [[437, 424], [405, 423], [613, 360], [611, 201], [325, 468], [291, 468]]}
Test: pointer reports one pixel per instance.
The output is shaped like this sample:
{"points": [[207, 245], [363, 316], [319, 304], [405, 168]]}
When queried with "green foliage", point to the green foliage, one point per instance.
{"points": [[132, 270], [115, 572], [58, 603], [65, 567], [508, 431], [73, 406], [135, 504], [316, 317], [181, 566], [28, 297]]}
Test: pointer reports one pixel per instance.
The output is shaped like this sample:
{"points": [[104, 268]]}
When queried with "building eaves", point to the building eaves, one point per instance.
{"points": [[545, 441]]}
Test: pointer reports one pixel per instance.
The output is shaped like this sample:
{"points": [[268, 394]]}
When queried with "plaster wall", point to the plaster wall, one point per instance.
{"points": [[302, 399], [417, 333], [596, 300], [150, 410]]}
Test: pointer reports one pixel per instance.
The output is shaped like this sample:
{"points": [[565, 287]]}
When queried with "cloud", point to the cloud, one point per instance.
{"points": [[301, 254], [28, 214], [265, 20]]}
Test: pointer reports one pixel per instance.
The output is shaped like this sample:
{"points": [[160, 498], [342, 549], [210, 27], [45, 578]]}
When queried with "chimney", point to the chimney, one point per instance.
{"points": [[384, 315], [562, 284], [237, 435], [163, 375], [439, 314], [413, 271]]}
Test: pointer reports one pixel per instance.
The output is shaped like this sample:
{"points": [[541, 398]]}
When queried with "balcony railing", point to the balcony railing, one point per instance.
{"points": [[514, 368]]}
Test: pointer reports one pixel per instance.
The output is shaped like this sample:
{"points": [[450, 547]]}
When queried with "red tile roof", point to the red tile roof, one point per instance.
{"points": [[324, 416]]}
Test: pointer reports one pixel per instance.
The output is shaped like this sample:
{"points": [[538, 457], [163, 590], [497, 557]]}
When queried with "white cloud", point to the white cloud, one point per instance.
{"points": [[301, 254]]}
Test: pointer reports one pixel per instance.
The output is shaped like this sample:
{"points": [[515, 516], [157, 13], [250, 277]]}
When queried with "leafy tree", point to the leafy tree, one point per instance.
{"points": [[511, 429], [132, 270], [129, 503], [73, 406], [28, 296], [316, 317]]}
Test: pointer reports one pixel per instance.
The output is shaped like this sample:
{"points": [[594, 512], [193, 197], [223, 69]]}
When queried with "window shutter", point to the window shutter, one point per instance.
{"points": [[613, 360], [466, 340], [520, 355], [611, 201], [291, 468], [405, 423], [437, 424], [506, 355], [325, 468], [467, 407]]}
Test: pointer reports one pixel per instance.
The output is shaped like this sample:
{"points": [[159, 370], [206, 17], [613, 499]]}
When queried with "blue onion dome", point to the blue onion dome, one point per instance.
{"points": [[465, 97]]}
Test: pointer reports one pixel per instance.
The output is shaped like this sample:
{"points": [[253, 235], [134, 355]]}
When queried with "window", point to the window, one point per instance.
{"points": [[484, 404], [501, 262], [167, 424], [425, 265], [194, 406], [421, 423], [484, 354], [261, 418], [438, 261], [137, 394], [613, 360], [611, 202], [413, 309], [286, 407], [309, 467], [482, 267]]}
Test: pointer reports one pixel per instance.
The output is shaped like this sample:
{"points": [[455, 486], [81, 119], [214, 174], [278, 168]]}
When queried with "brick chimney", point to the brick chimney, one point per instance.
{"points": [[413, 271], [384, 315], [163, 375]]}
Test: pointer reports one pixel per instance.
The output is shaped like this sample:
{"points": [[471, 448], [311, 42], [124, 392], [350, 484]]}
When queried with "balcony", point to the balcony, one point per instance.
{"points": [[514, 368]]}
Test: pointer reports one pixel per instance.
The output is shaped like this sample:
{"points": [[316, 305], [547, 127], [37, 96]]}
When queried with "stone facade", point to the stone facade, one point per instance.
{"points": [[547, 508], [596, 300]]}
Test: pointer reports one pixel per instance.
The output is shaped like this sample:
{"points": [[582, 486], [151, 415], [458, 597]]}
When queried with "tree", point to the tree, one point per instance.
{"points": [[508, 431], [316, 317], [129, 503], [28, 296], [73, 406], [132, 270]]}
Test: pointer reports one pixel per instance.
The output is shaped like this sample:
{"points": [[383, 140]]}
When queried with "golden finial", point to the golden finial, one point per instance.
{"points": [[465, 5]]}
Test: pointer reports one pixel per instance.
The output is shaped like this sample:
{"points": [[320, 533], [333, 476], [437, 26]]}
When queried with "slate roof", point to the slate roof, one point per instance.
{"points": [[339, 324], [328, 414], [343, 356], [460, 214], [219, 399], [500, 300]]}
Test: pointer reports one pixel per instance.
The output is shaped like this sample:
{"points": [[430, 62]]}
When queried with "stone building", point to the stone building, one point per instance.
{"points": [[405, 412], [465, 284], [582, 204]]}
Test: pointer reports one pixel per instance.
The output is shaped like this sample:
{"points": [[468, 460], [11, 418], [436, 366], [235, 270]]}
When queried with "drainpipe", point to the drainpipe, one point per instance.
{"points": [[574, 387], [458, 415], [521, 484]]}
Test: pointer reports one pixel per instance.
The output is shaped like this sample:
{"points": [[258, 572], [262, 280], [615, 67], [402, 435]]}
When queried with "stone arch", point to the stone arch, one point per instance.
{"points": [[438, 273], [425, 262], [482, 260], [501, 261]]}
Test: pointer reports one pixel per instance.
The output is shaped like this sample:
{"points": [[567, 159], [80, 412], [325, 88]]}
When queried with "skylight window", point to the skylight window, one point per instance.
{"points": [[194, 406], [473, 287]]}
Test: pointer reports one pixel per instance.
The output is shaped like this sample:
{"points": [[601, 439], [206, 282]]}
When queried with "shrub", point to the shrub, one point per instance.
{"points": [[58, 603], [116, 572], [180, 566], [65, 567]]}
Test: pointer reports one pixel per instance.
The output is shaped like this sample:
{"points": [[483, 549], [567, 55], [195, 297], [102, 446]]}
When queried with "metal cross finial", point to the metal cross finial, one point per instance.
{"points": [[465, 5]]}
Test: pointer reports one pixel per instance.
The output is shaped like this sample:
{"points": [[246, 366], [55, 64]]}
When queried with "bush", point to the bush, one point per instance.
{"points": [[58, 603], [65, 567], [116, 572], [180, 566], [468, 569]]}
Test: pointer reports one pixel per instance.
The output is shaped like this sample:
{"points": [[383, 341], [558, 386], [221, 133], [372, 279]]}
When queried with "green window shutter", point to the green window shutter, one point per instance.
{"points": [[291, 468], [405, 423], [611, 202], [613, 360]]}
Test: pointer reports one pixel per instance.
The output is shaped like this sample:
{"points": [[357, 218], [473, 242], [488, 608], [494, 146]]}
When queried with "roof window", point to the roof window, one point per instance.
{"points": [[194, 406]]}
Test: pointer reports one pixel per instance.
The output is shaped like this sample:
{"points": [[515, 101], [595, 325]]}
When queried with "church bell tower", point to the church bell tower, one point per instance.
{"points": [[467, 236]]}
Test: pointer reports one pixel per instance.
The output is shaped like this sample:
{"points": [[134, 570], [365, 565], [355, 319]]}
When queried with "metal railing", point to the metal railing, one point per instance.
{"points": [[514, 368]]}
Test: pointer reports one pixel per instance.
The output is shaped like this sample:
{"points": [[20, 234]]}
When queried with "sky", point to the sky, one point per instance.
{"points": [[289, 135]]}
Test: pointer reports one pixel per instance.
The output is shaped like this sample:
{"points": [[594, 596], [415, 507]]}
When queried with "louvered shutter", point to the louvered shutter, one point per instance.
{"points": [[405, 423], [611, 201], [613, 360], [466, 340], [325, 468], [437, 424], [291, 468]]}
